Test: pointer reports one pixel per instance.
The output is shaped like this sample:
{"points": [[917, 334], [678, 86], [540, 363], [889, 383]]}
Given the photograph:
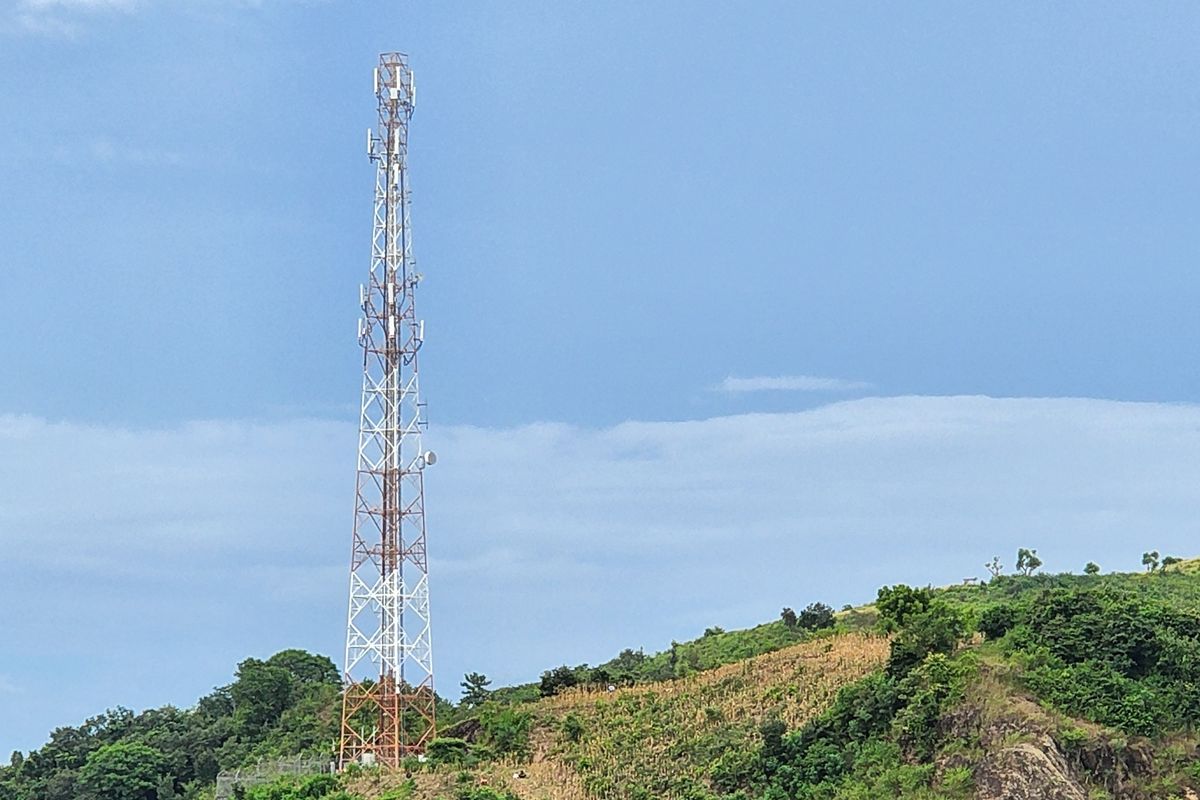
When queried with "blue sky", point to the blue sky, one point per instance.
{"points": [[730, 306]]}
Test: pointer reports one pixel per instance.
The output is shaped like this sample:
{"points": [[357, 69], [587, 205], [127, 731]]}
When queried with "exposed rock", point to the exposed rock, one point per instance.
{"points": [[1027, 771], [1022, 760]]}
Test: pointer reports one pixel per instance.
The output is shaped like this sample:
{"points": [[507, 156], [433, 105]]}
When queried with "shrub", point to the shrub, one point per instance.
{"points": [[936, 629], [505, 729], [816, 616], [447, 750], [555, 680], [572, 727], [995, 621], [897, 604]]}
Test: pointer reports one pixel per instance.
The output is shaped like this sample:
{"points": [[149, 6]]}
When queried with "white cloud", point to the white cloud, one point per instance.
{"points": [[65, 18], [78, 5], [56, 18], [211, 541], [790, 383]]}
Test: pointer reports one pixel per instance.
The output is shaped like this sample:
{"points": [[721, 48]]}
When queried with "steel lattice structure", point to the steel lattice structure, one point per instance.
{"points": [[388, 705]]}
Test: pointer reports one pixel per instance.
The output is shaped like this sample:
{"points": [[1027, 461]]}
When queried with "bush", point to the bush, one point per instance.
{"points": [[505, 729], [936, 629], [311, 787], [447, 750], [555, 680], [123, 771], [1116, 658], [572, 727], [815, 617], [897, 604], [996, 621]]}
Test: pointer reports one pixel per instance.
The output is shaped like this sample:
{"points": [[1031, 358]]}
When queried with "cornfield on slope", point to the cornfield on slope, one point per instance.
{"points": [[660, 741]]}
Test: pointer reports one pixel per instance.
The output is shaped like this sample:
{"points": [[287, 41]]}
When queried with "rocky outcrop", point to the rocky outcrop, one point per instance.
{"points": [[1027, 771], [1022, 760]]}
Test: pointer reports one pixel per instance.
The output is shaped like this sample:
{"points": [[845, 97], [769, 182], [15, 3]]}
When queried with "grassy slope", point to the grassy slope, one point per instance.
{"points": [[658, 740]]}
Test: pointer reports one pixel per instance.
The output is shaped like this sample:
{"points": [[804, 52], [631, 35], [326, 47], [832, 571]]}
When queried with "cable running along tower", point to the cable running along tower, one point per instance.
{"points": [[388, 705]]}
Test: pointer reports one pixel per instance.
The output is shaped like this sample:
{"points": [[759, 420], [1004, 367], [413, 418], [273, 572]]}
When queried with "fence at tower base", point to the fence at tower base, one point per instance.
{"points": [[267, 771]]}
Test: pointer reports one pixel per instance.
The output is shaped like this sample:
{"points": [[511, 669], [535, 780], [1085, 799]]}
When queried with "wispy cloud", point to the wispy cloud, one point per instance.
{"points": [[790, 383], [78, 5], [57, 18], [105, 150], [111, 536], [67, 19]]}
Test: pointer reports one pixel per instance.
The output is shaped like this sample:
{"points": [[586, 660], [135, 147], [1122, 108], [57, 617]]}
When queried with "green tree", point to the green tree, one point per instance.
{"points": [[1028, 561], [936, 629], [475, 691], [994, 566], [166, 789], [626, 667], [307, 668], [1092, 568], [815, 617], [789, 618], [261, 693], [1150, 560], [1169, 561], [555, 680], [123, 771], [897, 603]]}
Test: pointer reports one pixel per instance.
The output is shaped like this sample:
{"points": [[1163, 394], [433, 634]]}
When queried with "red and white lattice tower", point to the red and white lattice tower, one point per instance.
{"points": [[388, 705]]}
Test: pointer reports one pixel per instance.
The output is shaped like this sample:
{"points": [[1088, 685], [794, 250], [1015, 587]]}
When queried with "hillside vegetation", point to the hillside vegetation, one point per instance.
{"points": [[1027, 686]]}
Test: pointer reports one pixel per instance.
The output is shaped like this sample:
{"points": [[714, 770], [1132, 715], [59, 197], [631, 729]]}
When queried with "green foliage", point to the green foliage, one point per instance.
{"points": [[447, 750], [475, 691], [997, 620], [287, 705], [573, 727], [123, 771], [483, 793], [897, 603], [1119, 649], [307, 669], [715, 649], [402, 792], [505, 729], [261, 693], [789, 618], [556, 680], [1109, 656], [879, 737], [1091, 568], [936, 629], [815, 616], [308, 787], [1028, 561]]}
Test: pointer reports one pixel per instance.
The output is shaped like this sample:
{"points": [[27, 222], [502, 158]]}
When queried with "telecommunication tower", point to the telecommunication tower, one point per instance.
{"points": [[388, 702]]}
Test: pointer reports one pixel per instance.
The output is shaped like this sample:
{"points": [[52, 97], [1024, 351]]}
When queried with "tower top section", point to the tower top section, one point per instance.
{"points": [[395, 87]]}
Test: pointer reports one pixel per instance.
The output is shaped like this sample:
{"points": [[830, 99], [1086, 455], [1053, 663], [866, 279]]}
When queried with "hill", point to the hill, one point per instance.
{"points": [[1026, 686]]}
